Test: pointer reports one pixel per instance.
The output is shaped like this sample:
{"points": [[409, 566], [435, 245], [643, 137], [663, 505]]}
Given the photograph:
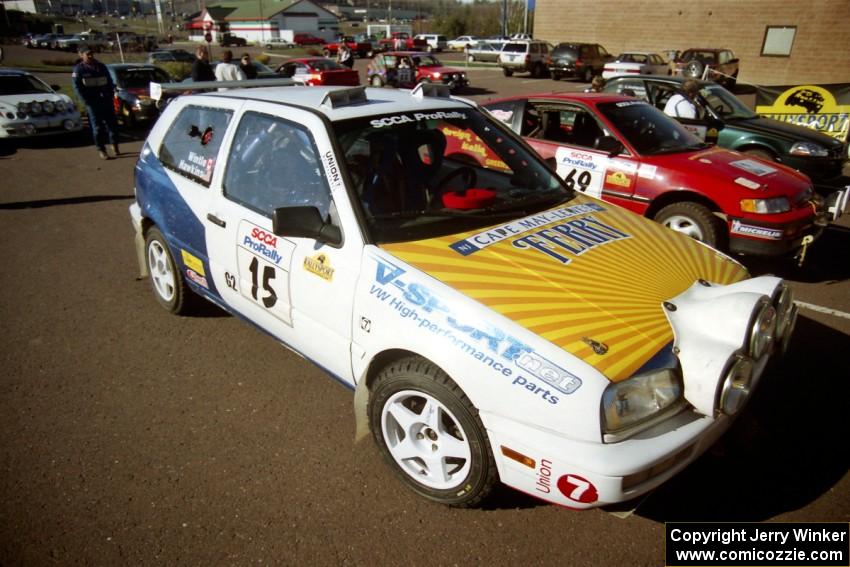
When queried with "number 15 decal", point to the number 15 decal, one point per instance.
{"points": [[264, 283]]}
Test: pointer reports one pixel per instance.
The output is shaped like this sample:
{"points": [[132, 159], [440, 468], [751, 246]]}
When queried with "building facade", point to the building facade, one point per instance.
{"points": [[778, 42]]}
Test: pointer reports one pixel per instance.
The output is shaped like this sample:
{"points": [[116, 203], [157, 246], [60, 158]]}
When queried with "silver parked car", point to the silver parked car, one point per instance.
{"points": [[484, 51]]}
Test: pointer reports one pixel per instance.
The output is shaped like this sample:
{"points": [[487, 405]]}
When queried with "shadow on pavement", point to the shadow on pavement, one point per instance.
{"points": [[827, 260], [64, 201], [788, 448]]}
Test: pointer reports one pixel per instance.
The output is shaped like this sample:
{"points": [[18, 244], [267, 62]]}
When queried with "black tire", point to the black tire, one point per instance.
{"points": [[326, 52], [411, 383], [693, 69], [507, 72], [556, 76], [167, 281], [537, 70], [692, 219], [376, 81], [766, 155]]}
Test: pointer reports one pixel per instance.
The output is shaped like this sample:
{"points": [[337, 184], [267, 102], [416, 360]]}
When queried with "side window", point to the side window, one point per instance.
{"points": [[631, 87], [534, 48], [273, 163], [723, 57], [190, 146], [503, 111], [602, 51]]}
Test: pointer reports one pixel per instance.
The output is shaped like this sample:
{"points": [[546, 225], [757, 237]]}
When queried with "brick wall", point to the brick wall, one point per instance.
{"points": [[820, 54]]}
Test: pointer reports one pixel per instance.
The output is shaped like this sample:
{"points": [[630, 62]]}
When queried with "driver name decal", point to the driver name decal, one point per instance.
{"points": [[573, 237]]}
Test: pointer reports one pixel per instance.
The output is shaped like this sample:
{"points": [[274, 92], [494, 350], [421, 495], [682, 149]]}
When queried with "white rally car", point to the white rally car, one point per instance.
{"points": [[29, 107], [495, 325]]}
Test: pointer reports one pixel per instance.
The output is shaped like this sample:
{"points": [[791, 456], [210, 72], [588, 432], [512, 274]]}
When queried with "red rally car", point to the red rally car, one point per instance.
{"points": [[628, 152], [406, 69], [313, 71]]}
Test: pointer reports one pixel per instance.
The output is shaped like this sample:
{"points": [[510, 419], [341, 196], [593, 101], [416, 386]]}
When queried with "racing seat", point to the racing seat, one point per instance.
{"points": [[422, 156], [585, 130], [552, 130]]}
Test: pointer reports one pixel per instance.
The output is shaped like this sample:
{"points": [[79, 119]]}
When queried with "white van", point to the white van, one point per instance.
{"points": [[435, 42]]}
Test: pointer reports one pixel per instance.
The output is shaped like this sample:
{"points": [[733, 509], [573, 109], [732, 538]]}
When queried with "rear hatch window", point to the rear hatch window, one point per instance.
{"points": [[516, 47]]}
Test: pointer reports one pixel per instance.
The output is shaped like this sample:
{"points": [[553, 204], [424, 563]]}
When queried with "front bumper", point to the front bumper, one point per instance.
{"points": [[748, 236], [561, 68], [33, 126]]}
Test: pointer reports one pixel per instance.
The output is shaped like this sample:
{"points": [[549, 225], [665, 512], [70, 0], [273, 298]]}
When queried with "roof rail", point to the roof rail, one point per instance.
{"points": [[157, 89], [431, 90], [344, 97]]}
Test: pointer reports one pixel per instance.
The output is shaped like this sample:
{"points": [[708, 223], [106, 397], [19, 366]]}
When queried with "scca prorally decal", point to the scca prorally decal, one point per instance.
{"points": [[501, 352], [574, 237], [416, 117], [498, 233], [262, 243], [758, 231], [578, 159]]}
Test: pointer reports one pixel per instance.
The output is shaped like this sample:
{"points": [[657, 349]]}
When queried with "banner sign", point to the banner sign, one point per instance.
{"points": [[825, 108]]}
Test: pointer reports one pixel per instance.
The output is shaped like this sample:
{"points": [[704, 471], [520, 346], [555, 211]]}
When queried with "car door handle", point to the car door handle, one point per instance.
{"points": [[215, 220]]}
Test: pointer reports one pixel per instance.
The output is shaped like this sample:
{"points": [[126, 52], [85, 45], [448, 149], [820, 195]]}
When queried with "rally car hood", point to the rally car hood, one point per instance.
{"points": [[727, 168], [792, 132], [587, 276]]}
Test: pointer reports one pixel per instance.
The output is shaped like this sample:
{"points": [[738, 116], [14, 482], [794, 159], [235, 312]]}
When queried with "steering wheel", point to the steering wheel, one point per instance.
{"points": [[470, 178]]}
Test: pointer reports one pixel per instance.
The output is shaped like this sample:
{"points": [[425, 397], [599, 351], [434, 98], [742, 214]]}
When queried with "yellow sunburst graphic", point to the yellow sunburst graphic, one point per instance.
{"points": [[610, 292]]}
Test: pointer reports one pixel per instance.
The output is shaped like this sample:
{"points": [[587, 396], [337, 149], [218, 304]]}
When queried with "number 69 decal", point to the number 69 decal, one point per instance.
{"points": [[577, 489]]}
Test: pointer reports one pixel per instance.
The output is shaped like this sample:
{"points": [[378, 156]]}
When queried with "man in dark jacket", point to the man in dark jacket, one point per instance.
{"points": [[94, 86], [201, 68]]}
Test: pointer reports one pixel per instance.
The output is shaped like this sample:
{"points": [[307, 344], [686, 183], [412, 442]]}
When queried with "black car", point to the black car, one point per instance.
{"points": [[583, 60], [230, 40], [170, 56], [723, 119], [133, 103]]}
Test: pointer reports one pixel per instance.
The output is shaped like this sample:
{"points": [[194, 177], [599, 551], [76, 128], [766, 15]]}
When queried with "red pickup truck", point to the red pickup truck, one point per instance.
{"points": [[407, 43], [358, 48]]}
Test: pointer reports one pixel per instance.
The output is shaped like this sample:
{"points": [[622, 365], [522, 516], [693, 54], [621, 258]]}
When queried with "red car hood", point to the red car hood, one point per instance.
{"points": [[728, 168]]}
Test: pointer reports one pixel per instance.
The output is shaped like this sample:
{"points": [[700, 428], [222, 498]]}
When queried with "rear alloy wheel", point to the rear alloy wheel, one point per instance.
{"points": [[169, 288], [430, 433], [691, 219], [376, 81]]}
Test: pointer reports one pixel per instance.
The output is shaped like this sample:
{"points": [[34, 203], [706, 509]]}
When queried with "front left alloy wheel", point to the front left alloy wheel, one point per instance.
{"points": [[430, 433]]}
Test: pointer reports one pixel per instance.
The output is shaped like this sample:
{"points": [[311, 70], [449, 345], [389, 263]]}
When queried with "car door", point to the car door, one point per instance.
{"points": [[300, 290], [566, 137]]}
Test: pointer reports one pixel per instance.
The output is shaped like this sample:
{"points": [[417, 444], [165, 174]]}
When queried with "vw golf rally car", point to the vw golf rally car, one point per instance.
{"points": [[495, 324]]}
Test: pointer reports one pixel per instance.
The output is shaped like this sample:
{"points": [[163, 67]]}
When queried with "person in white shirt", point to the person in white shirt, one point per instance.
{"points": [[681, 104], [227, 70]]}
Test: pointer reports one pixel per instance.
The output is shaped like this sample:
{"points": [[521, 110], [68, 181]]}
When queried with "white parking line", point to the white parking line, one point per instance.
{"points": [[820, 309]]}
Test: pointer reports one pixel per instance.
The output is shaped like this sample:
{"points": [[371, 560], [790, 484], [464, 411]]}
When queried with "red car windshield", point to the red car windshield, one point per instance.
{"points": [[647, 129]]}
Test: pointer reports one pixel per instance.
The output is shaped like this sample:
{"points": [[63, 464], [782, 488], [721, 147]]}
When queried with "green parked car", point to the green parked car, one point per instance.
{"points": [[725, 120]]}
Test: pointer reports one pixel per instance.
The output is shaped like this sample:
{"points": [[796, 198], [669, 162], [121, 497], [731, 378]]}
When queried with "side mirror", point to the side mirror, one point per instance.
{"points": [[610, 145], [304, 222]]}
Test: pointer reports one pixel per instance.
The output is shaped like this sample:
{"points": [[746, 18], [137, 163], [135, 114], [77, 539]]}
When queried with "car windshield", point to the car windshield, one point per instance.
{"points": [[432, 173], [141, 78], [515, 47], [704, 56], [426, 61], [647, 129], [724, 103], [325, 65], [22, 84]]}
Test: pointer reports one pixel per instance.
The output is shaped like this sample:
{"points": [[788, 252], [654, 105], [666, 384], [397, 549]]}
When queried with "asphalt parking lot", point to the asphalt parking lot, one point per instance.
{"points": [[130, 436]]}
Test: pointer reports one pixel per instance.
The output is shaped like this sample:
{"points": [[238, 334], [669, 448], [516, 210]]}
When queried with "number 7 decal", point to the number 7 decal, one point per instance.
{"points": [[577, 489]]}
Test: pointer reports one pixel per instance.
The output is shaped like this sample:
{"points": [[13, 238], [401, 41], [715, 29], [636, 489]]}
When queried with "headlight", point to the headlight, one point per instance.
{"points": [[736, 385], [23, 108], [48, 107], [808, 149], [436, 75], [35, 107], [766, 206], [60, 106], [639, 398], [762, 329]]}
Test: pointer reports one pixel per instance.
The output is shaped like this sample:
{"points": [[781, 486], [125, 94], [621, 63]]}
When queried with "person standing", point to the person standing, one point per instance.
{"points": [[94, 86], [681, 104], [227, 70], [248, 67], [201, 69], [344, 56]]}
